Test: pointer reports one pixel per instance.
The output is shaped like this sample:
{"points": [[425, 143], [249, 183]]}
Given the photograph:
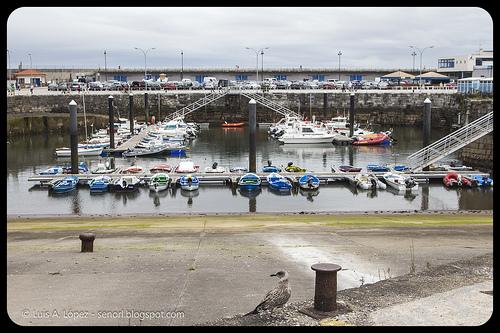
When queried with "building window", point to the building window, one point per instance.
{"points": [[241, 77], [199, 78], [281, 77], [319, 77], [355, 77], [121, 78], [446, 63]]}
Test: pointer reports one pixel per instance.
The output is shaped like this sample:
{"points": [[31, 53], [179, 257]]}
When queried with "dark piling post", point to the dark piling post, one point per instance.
{"points": [[351, 115], [87, 239], [73, 136], [146, 107], [426, 122], [111, 121], [159, 107], [325, 289], [131, 112], [252, 120]]}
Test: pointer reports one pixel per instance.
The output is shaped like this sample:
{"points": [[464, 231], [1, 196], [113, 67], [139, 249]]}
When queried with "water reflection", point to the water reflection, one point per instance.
{"points": [[190, 195], [309, 194]]}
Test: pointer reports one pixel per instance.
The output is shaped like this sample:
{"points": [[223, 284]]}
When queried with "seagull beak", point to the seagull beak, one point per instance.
{"points": [[272, 275]]}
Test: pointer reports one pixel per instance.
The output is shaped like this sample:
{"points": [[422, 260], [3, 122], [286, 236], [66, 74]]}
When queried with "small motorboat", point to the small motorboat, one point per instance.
{"points": [[377, 168], [161, 168], [368, 181], [82, 168], [238, 169], [453, 179], [400, 168], [400, 182], [372, 139], [186, 167], [128, 183], [270, 168], [66, 152], [65, 185], [482, 181], [293, 168], [52, 171], [278, 182], [309, 182], [215, 169], [133, 169], [102, 168], [159, 182], [346, 168], [99, 184], [226, 124], [189, 182], [154, 150], [249, 182]]}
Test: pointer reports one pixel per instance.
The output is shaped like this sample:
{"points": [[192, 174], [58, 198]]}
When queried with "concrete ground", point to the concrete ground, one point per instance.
{"points": [[202, 272]]}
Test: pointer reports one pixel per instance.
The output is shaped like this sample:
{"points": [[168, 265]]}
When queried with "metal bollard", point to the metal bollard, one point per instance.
{"points": [[325, 290], [87, 239]]}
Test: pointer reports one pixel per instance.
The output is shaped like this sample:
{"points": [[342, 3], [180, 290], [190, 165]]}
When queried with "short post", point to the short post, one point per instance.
{"points": [[131, 112], [351, 116], [252, 119], [87, 239], [146, 107], [426, 123], [111, 121], [73, 136], [325, 289]]}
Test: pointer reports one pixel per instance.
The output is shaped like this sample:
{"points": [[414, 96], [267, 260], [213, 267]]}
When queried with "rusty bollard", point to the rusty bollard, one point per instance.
{"points": [[325, 290], [87, 239]]}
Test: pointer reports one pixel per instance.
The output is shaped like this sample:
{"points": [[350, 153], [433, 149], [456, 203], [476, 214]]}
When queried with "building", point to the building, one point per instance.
{"points": [[464, 66], [473, 85], [432, 78], [30, 77]]}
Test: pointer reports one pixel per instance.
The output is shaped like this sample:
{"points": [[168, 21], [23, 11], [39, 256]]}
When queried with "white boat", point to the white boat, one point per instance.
{"points": [[177, 128], [186, 167], [341, 126], [400, 182], [189, 183], [102, 168], [215, 169], [159, 182], [306, 133], [368, 181], [66, 152]]}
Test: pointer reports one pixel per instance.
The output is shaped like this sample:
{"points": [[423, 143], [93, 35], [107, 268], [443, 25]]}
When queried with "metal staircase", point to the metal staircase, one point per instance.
{"points": [[270, 104], [198, 104], [451, 143]]}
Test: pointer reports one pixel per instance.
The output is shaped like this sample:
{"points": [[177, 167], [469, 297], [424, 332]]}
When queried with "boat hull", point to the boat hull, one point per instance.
{"points": [[291, 140], [309, 182]]}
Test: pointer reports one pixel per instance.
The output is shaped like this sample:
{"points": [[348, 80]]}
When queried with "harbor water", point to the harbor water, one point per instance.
{"points": [[27, 156]]}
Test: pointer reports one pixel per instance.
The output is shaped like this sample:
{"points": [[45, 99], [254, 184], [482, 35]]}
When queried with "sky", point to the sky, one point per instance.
{"points": [[218, 36]]}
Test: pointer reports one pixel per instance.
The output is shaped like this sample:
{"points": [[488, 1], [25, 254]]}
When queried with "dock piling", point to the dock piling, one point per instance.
{"points": [[252, 119], [111, 121], [146, 107], [426, 123], [87, 239], [131, 112], [325, 289], [73, 136], [351, 115]]}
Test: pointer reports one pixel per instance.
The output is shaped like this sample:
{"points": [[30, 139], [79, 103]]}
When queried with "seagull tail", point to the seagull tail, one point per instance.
{"points": [[251, 312]]}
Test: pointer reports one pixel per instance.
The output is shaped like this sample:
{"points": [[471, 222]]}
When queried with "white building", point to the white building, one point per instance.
{"points": [[463, 66]]}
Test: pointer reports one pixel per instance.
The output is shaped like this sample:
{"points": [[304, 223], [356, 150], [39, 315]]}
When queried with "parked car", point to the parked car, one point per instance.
{"points": [[196, 85], [152, 85], [297, 85], [96, 85], [383, 85], [328, 85], [171, 85], [283, 84], [78, 86], [223, 83], [62, 86], [53, 87], [137, 85]]}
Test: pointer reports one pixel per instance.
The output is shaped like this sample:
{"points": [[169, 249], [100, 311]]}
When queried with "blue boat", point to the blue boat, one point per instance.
{"points": [[401, 168], [189, 182], [309, 182], [249, 182], [482, 181], [278, 182], [270, 168], [99, 184], [82, 168], [178, 153], [377, 168], [65, 185], [52, 171]]}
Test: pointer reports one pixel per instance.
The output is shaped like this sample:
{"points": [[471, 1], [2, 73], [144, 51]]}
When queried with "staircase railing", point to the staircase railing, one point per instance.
{"points": [[270, 104], [198, 104]]}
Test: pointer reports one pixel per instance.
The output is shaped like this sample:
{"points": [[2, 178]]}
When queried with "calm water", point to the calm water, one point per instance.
{"points": [[229, 147]]}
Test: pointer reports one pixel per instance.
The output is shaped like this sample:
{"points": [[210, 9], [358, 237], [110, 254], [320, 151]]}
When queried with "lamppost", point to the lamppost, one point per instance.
{"points": [[339, 54], [31, 64], [10, 71], [262, 55], [257, 55], [145, 64], [105, 68], [421, 51], [182, 65], [413, 55]]}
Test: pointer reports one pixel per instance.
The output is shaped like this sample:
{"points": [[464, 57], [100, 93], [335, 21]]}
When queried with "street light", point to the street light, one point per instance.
{"points": [[105, 71], [31, 64], [413, 54], [145, 64], [257, 55], [339, 54], [421, 51], [182, 65], [262, 55]]}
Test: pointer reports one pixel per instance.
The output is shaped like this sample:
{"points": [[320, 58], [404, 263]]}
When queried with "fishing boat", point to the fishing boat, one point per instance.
{"points": [[278, 182], [215, 169], [52, 171], [99, 184], [65, 185], [66, 152], [249, 182], [309, 182], [127, 183], [133, 169], [189, 182], [238, 169], [368, 181], [186, 167], [163, 167], [372, 139], [400, 182], [270, 168], [306, 134], [377, 168], [453, 179], [226, 124], [159, 182], [482, 181], [345, 168], [293, 168], [82, 168]]}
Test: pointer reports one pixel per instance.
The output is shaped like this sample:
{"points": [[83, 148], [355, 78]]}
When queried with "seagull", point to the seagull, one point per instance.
{"points": [[276, 297]]}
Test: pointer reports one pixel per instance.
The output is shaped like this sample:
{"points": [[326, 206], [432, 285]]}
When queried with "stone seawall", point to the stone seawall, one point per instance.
{"points": [[479, 154]]}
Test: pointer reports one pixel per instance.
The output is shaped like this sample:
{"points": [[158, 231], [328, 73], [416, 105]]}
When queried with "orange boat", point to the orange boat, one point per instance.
{"points": [[372, 139], [226, 124]]}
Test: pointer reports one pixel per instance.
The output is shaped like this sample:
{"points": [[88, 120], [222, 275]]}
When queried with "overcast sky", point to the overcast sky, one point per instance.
{"points": [[217, 37]]}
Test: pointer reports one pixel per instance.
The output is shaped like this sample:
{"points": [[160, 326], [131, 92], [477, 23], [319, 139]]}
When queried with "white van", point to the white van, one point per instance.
{"points": [[210, 82]]}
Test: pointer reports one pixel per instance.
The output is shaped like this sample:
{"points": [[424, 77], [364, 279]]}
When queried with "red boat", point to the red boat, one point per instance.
{"points": [[453, 179], [133, 169], [372, 139], [161, 168], [226, 124]]}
